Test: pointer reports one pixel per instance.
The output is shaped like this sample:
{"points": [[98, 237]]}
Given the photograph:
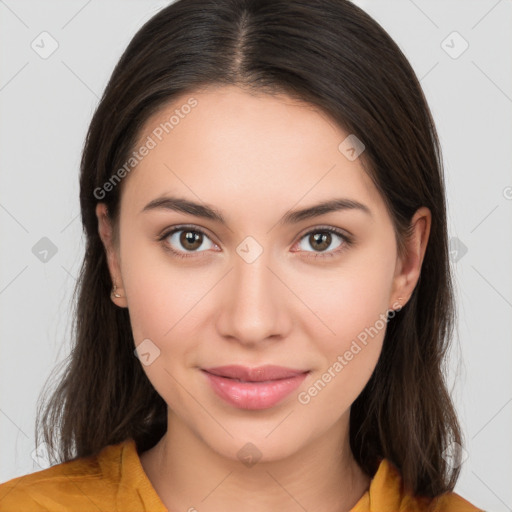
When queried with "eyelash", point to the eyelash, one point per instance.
{"points": [[347, 241]]}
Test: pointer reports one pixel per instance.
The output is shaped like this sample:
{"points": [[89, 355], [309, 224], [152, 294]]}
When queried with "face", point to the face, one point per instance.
{"points": [[260, 287]]}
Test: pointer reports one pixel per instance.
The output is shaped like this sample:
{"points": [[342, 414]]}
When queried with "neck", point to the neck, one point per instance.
{"points": [[188, 474]]}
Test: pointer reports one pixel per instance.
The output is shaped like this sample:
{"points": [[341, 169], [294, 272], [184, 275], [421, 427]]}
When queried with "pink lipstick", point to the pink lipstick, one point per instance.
{"points": [[254, 388]]}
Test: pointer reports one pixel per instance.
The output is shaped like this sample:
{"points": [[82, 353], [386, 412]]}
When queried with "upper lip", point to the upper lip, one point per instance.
{"points": [[257, 374]]}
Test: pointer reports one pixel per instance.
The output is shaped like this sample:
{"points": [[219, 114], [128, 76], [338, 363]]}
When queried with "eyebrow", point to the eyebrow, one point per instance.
{"points": [[205, 211]]}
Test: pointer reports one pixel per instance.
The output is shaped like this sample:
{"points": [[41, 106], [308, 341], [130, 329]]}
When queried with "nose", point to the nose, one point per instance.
{"points": [[254, 303]]}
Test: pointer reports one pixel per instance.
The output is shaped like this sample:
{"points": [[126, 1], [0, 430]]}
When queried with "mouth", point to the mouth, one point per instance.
{"points": [[254, 388]]}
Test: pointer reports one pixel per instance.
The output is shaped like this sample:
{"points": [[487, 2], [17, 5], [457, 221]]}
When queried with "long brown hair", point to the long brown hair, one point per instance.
{"points": [[333, 55]]}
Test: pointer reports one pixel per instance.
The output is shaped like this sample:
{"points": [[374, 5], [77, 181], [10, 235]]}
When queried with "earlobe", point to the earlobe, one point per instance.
{"points": [[117, 294], [117, 297]]}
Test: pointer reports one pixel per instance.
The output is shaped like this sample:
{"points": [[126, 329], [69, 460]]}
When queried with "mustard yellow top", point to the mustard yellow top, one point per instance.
{"points": [[114, 480]]}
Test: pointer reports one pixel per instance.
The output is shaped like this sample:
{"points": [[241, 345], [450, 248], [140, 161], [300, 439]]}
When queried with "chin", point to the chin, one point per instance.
{"points": [[258, 443]]}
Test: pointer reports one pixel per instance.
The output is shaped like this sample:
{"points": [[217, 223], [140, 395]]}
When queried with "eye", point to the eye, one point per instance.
{"points": [[189, 239], [321, 238], [186, 239]]}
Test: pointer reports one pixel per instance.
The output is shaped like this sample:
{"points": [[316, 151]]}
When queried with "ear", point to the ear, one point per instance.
{"points": [[105, 230], [408, 268]]}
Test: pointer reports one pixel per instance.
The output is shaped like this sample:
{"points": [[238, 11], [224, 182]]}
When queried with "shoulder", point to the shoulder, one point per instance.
{"points": [[448, 502], [452, 502], [80, 483], [387, 492]]}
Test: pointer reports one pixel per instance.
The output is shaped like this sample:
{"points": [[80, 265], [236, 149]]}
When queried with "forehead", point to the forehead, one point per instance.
{"points": [[225, 143]]}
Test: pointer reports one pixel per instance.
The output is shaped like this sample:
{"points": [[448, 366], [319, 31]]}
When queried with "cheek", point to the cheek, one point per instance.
{"points": [[161, 310], [159, 292], [350, 350], [163, 301], [353, 298], [352, 306]]}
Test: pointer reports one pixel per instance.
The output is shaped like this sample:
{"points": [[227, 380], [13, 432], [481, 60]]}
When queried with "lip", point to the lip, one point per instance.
{"points": [[257, 374], [254, 388]]}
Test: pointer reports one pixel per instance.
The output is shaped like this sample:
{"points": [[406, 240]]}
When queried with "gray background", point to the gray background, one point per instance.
{"points": [[47, 103]]}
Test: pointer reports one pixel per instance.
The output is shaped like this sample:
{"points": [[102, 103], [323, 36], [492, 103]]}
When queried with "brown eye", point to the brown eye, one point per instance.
{"points": [[321, 239], [190, 240], [182, 240]]}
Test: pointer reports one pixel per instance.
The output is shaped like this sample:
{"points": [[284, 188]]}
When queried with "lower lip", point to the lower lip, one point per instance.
{"points": [[253, 395]]}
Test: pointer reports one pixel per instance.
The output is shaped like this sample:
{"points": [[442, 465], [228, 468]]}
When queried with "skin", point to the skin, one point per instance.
{"points": [[254, 158]]}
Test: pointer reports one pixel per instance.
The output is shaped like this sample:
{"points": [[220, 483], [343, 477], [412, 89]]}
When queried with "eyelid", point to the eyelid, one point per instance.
{"points": [[347, 238], [326, 227], [181, 227], [347, 241]]}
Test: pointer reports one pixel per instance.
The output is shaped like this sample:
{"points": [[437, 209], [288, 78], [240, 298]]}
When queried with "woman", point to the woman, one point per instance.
{"points": [[261, 192]]}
